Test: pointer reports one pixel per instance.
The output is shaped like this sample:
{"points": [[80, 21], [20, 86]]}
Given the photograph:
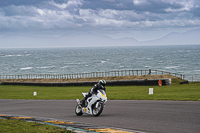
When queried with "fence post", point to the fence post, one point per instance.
{"points": [[192, 78]]}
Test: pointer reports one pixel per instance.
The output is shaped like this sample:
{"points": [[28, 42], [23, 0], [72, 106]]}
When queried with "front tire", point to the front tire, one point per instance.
{"points": [[96, 111], [78, 110]]}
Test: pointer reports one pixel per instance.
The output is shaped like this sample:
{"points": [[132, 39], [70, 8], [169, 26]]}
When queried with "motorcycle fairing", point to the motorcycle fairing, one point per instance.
{"points": [[91, 100]]}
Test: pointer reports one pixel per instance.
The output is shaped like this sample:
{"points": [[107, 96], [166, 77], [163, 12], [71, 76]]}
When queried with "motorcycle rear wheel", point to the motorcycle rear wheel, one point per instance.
{"points": [[96, 111], [78, 110]]}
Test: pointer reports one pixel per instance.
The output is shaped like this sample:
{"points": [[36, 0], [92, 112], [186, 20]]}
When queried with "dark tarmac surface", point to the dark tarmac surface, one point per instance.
{"points": [[144, 116]]}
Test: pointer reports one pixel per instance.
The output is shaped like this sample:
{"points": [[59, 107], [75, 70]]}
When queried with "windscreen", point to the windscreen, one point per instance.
{"points": [[103, 92]]}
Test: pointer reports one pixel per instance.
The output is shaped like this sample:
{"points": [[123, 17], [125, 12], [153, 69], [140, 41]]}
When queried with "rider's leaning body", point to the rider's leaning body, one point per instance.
{"points": [[99, 86]]}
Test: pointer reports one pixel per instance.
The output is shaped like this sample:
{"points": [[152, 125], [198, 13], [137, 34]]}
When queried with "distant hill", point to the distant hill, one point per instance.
{"points": [[190, 37], [90, 39]]}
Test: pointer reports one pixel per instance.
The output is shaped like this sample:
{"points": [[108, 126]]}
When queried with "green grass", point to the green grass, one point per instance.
{"points": [[189, 92], [184, 92], [17, 126], [26, 92]]}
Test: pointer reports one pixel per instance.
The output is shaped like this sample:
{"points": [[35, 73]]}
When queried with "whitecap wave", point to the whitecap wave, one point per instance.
{"points": [[65, 67], [18, 55], [103, 61], [45, 67], [172, 67], [26, 68]]}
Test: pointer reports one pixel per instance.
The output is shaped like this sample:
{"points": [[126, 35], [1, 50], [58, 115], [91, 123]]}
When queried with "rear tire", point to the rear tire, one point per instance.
{"points": [[78, 110], [97, 111]]}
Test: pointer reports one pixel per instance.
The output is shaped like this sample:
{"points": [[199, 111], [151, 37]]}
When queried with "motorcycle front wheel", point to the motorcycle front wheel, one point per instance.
{"points": [[97, 108], [78, 110]]}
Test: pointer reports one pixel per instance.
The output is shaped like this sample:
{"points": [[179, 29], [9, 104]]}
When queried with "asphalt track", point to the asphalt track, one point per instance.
{"points": [[144, 116]]}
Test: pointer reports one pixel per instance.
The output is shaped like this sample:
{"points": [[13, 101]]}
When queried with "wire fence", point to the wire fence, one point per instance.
{"points": [[92, 74]]}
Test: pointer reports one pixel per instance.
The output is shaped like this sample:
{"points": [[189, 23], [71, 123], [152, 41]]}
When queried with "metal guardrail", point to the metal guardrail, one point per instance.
{"points": [[92, 74]]}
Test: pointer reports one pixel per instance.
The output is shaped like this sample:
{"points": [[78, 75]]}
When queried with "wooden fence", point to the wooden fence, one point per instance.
{"points": [[92, 74], [192, 77]]}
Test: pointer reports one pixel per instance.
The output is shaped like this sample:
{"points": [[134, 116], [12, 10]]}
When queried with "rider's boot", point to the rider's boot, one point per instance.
{"points": [[82, 102]]}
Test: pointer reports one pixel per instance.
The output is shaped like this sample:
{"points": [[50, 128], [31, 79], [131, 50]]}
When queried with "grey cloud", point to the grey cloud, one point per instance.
{"points": [[4, 3], [88, 14], [184, 5], [13, 10], [140, 2], [71, 4]]}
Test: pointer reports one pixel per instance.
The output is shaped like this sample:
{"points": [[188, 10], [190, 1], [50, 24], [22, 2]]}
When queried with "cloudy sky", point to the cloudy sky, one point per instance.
{"points": [[140, 19]]}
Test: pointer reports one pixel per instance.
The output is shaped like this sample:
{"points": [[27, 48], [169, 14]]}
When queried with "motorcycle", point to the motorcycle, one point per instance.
{"points": [[93, 105]]}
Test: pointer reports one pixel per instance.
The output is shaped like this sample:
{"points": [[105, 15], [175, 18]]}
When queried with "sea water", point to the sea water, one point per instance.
{"points": [[182, 59]]}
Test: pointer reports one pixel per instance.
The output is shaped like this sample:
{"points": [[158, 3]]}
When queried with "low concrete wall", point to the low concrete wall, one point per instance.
{"points": [[109, 83]]}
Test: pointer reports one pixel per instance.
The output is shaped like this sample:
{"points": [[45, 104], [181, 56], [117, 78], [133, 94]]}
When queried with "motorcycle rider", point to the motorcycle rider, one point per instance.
{"points": [[99, 86]]}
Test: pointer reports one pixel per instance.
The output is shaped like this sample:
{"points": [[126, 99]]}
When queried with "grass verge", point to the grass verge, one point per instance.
{"points": [[14, 126], [182, 92]]}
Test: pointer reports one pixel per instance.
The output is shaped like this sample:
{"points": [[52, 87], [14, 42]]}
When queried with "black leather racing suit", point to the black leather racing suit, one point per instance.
{"points": [[96, 87]]}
